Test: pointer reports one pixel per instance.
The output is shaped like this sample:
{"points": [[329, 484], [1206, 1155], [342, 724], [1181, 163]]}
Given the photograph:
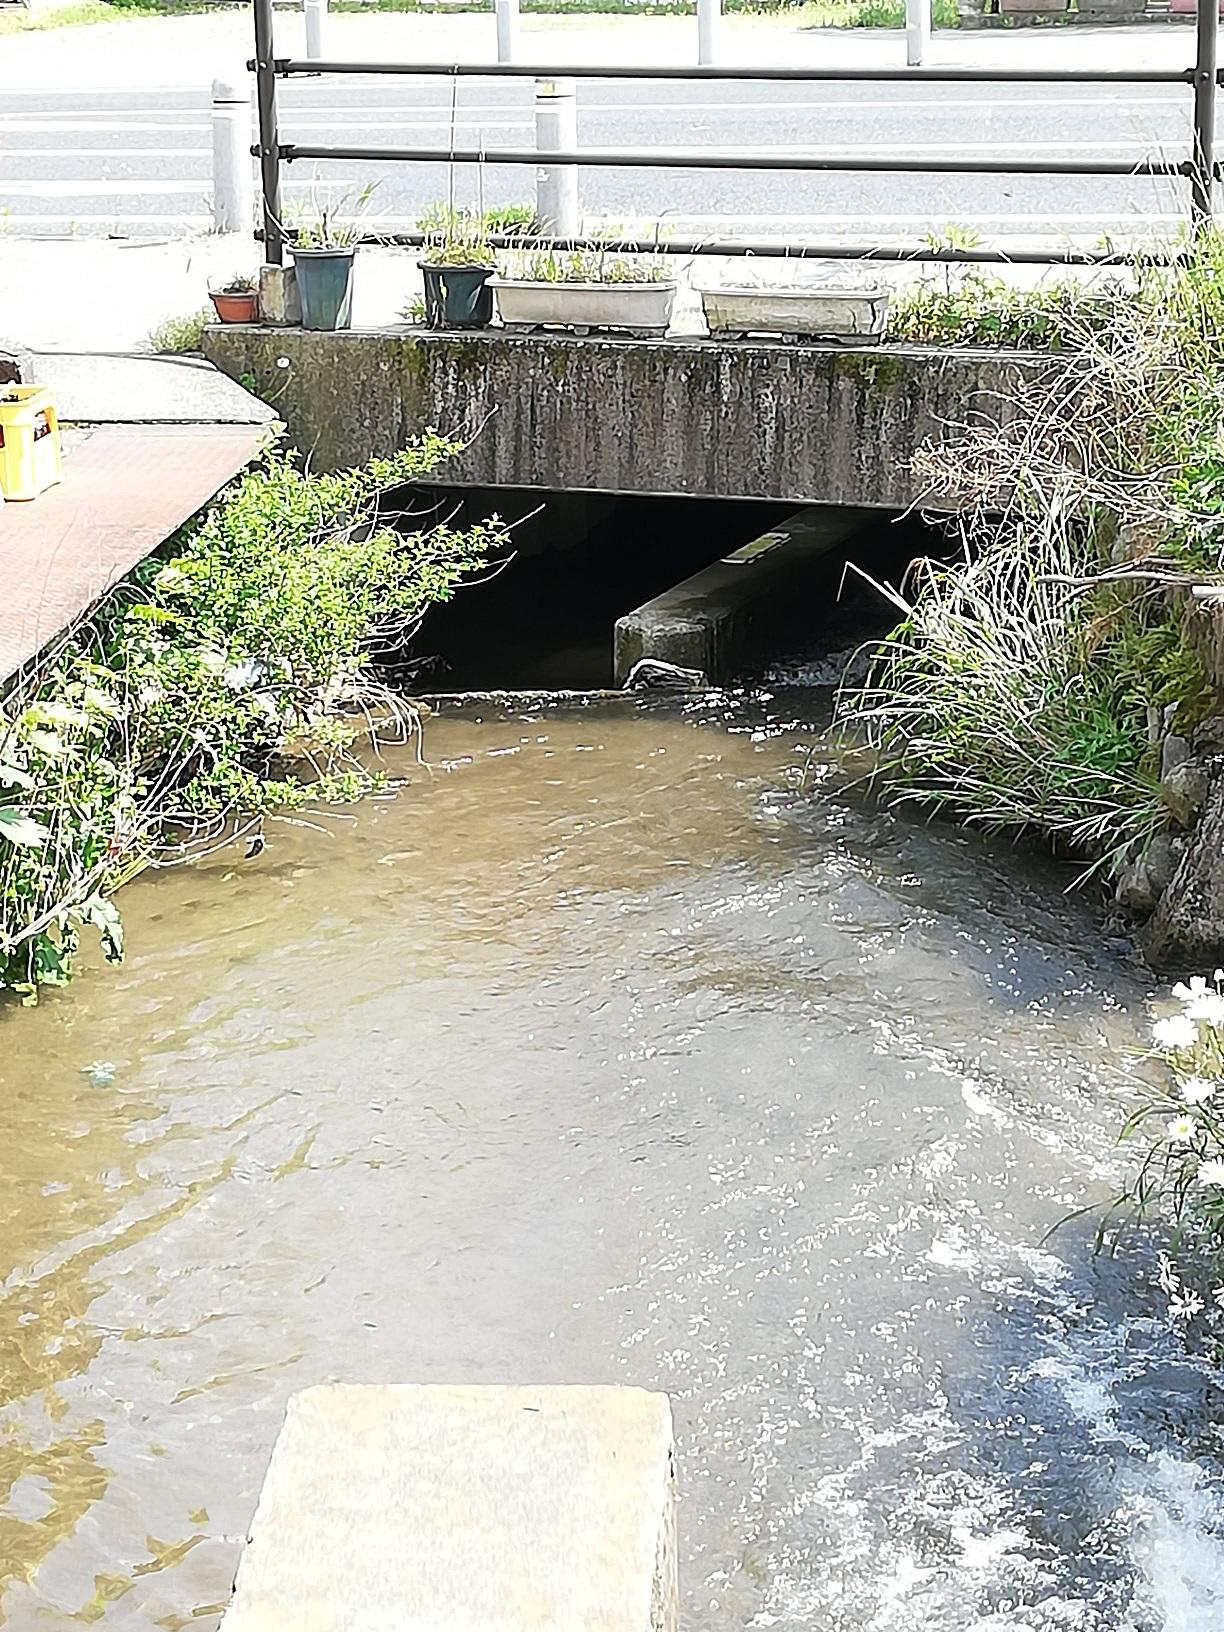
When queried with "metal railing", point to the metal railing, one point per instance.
{"points": [[1199, 167]]}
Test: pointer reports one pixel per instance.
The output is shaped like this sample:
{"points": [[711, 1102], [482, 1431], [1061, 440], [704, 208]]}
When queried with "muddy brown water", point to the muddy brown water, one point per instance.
{"points": [[607, 1052]]}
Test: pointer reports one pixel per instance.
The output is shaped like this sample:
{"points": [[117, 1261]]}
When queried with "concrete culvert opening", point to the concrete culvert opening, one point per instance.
{"points": [[603, 589]]}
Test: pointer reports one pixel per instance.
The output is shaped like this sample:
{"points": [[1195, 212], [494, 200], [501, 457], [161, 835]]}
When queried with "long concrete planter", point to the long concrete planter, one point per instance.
{"points": [[827, 314], [641, 308]]}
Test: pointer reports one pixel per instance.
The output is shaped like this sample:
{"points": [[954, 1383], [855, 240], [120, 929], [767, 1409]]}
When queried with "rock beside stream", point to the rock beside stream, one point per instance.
{"points": [[1186, 930]]}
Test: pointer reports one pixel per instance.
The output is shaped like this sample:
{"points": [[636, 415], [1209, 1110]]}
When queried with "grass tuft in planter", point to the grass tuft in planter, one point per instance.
{"points": [[585, 289], [456, 268]]}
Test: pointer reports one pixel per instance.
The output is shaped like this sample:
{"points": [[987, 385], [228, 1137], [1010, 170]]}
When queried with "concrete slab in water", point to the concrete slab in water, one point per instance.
{"points": [[712, 621], [404, 1508]]}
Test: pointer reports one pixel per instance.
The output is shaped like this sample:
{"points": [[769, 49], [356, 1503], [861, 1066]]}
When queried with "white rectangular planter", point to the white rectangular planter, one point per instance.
{"points": [[643, 308], [818, 313]]}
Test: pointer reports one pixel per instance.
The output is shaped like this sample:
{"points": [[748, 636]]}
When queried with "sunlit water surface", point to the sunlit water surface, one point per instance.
{"points": [[617, 1048]]}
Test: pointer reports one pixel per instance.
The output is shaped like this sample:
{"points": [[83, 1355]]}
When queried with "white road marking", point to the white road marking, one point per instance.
{"points": [[105, 152], [832, 228]]}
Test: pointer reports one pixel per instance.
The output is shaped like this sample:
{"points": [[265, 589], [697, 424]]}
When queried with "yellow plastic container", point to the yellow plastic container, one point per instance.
{"points": [[29, 441]]}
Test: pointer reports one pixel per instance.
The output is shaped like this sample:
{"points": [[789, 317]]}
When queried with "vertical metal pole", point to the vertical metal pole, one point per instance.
{"points": [[315, 11], [917, 31], [1202, 175], [708, 14], [233, 179], [269, 136], [506, 13], [556, 131]]}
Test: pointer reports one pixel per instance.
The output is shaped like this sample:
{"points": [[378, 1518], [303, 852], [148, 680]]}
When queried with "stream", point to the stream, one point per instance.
{"points": [[618, 1047]]}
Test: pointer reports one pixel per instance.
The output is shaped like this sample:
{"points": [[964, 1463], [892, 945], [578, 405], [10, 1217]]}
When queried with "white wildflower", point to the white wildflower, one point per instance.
{"points": [[1185, 1306], [1175, 1032], [1189, 993], [242, 676], [1210, 1172], [1197, 1090], [1181, 1130], [1166, 1276], [1200, 1000], [1209, 1009]]}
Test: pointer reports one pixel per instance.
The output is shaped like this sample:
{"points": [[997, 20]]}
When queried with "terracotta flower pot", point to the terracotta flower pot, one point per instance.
{"points": [[235, 308]]}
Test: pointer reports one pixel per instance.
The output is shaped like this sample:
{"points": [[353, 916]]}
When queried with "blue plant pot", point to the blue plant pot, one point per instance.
{"points": [[458, 297], [325, 286]]}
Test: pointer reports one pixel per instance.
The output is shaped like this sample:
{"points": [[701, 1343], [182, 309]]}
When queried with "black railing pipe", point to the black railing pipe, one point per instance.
{"points": [[907, 76], [774, 249], [696, 158], [268, 150], [1206, 77]]}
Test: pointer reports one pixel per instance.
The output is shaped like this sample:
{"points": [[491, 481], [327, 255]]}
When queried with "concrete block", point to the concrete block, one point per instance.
{"points": [[405, 1508], [279, 305], [714, 620]]}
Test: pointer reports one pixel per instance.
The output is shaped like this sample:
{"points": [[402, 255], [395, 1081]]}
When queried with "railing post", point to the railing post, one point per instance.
{"points": [[708, 14], [917, 31], [269, 136], [556, 131], [1202, 174], [506, 13], [233, 203], [316, 11]]}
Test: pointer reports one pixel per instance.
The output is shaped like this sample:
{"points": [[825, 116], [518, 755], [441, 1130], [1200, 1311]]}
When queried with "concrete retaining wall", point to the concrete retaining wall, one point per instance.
{"points": [[808, 424]]}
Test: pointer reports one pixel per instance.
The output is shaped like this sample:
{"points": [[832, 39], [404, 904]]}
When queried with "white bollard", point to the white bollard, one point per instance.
{"points": [[709, 12], [556, 130], [233, 166], [506, 13], [316, 11], [917, 31]]}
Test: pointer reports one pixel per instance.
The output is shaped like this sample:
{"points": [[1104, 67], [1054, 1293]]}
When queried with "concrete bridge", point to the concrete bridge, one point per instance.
{"points": [[802, 424]]}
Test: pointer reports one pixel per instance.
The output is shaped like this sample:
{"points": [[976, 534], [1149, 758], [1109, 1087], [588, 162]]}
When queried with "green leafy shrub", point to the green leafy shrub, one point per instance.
{"points": [[181, 334], [976, 309], [209, 690]]}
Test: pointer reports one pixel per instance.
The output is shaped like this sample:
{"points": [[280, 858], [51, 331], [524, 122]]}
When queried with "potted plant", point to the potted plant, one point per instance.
{"points": [[324, 243], [584, 289], [798, 309], [237, 300], [456, 269]]}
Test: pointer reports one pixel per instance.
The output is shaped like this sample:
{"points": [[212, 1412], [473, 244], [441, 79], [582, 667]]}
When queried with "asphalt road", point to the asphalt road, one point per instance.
{"points": [[137, 163]]}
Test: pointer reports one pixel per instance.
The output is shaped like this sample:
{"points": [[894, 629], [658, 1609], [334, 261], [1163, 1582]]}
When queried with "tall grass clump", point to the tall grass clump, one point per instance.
{"points": [[1030, 681], [225, 683], [988, 702]]}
